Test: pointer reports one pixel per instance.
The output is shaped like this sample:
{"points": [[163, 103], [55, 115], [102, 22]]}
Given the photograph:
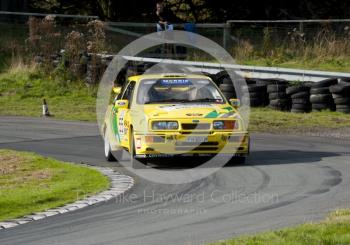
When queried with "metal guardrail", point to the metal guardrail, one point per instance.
{"points": [[249, 71], [290, 21]]}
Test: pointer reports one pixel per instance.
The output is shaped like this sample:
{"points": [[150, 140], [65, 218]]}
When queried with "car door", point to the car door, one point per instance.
{"points": [[123, 117]]}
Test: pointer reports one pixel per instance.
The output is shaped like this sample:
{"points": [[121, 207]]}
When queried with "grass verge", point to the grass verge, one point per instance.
{"points": [[272, 121], [334, 230], [23, 88], [31, 183], [22, 91]]}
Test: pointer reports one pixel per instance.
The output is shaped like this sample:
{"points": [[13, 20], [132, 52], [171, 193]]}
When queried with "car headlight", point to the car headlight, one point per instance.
{"points": [[225, 125], [165, 125]]}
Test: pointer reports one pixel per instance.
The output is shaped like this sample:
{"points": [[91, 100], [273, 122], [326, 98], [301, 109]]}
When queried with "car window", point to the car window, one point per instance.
{"points": [[129, 92], [122, 91], [178, 91]]}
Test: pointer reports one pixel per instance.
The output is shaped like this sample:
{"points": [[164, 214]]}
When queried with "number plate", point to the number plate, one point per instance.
{"points": [[196, 139]]}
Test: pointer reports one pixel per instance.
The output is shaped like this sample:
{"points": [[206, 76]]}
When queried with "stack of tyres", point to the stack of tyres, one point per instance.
{"points": [[227, 88], [321, 97], [279, 100], [300, 95], [254, 95], [341, 96]]}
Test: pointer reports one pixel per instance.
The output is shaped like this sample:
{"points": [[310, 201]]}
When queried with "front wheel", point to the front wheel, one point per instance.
{"points": [[237, 160], [135, 163], [107, 148]]}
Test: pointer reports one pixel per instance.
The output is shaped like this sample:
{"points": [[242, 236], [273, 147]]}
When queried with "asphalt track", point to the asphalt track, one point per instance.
{"points": [[288, 180]]}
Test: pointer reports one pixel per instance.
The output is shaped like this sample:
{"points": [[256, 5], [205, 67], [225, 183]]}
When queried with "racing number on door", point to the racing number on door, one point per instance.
{"points": [[122, 117]]}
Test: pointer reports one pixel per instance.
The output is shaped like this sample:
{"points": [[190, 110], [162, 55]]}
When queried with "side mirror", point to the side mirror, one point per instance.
{"points": [[236, 103], [121, 104], [117, 90]]}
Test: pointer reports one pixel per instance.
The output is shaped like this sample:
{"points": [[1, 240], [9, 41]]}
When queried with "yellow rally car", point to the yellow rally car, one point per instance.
{"points": [[167, 115]]}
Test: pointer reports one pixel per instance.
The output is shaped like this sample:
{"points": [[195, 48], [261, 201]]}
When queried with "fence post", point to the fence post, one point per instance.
{"points": [[226, 34]]}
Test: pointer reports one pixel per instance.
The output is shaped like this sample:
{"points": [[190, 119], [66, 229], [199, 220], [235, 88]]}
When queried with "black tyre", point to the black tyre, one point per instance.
{"points": [[135, 162], [303, 101], [340, 89], [273, 81], [229, 95], [279, 102], [257, 95], [264, 82], [345, 107], [107, 148], [252, 88], [320, 106], [325, 83], [274, 88], [255, 102], [335, 96], [251, 81], [252, 100], [319, 90], [226, 80], [227, 88], [296, 89], [301, 107], [342, 101], [344, 81], [308, 84], [220, 75], [300, 95], [298, 111], [237, 161], [321, 98], [278, 95], [280, 108]]}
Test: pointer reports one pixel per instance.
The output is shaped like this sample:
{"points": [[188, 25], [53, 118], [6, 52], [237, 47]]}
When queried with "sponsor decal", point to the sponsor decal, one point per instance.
{"points": [[175, 82], [194, 114], [213, 114], [179, 107], [121, 127]]}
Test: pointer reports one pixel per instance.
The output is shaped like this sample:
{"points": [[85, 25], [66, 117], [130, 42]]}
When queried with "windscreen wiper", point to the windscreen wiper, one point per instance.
{"points": [[167, 101], [206, 100]]}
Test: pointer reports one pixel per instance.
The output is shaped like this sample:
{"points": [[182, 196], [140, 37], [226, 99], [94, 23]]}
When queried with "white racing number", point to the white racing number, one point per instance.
{"points": [[121, 127]]}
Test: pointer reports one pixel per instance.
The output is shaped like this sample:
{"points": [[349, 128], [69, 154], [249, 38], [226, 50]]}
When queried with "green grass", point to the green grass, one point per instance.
{"points": [[31, 183], [334, 230], [22, 92], [268, 120]]}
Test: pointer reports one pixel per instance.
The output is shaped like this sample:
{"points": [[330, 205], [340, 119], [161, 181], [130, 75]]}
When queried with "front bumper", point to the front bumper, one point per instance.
{"points": [[177, 144]]}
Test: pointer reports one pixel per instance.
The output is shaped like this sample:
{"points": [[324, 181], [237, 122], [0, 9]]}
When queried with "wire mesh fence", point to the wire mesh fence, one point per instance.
{"points": [[25, 33], [307, 39]]}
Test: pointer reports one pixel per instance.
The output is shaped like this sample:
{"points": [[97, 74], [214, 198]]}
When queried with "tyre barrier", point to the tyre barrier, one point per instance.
{"points": [[278, 94], [300, 96], [279, 100], [341, 96], [255, 94], [321, 97]]}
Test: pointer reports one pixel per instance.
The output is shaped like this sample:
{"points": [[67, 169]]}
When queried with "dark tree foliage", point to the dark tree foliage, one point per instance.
{"points": [[189, 10]]}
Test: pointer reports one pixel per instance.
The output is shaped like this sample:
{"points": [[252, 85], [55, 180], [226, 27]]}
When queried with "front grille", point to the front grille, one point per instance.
{"points": [[197, 132], [186, 148], [181, 143], [195, 126]]}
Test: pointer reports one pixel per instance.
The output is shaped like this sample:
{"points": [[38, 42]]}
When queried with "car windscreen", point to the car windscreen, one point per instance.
{"points": [[152, 91]]}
